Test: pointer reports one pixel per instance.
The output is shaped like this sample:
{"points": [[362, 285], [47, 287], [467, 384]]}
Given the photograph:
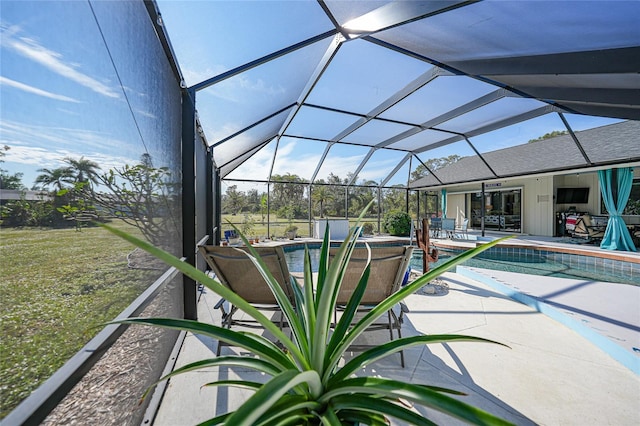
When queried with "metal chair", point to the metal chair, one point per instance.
{"points": [[235, 270], [388, 268], [587, 230], [448, 227], [462, 229], [436, 227]]}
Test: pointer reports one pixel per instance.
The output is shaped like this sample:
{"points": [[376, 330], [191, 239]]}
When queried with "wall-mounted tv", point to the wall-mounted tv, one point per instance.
{"points": [[572, 196]]}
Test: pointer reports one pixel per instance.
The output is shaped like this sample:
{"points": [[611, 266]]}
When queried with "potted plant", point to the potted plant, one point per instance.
{"points": [[367, 228], [247, 225], [307, 386], [290, 232]]}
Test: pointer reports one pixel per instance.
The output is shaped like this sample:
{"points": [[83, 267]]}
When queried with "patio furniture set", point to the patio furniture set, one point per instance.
{"points": [[235, 270], [442, 227]]}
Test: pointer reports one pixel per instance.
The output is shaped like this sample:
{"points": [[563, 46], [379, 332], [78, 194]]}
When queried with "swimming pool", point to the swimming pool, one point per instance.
{"points": [[520, 260], [542, 265]]}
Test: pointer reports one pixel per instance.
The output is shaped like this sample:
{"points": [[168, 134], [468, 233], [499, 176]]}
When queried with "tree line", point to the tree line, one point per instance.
{"points": [[141, 195]]}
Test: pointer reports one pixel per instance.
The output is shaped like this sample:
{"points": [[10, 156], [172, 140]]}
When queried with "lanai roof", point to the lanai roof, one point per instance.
{"points": [[374, 89]]}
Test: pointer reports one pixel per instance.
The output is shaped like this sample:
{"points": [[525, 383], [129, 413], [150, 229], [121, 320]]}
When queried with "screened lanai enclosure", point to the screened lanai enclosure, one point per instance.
{"points": [[295, 109], [371, 97]]}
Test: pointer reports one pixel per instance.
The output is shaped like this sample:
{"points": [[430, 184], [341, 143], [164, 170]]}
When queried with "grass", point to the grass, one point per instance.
{"points": [[57, 287]]}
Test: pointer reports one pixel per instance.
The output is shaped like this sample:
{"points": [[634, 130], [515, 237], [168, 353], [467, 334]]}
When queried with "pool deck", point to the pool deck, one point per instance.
{"points": [[572, 359]]}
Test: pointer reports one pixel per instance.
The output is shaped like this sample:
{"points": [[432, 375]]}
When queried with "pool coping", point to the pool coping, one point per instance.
{"points": [[631, 257]]}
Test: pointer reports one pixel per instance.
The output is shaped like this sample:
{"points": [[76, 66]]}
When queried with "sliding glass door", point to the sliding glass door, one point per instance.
{"points": [[503, 210]]}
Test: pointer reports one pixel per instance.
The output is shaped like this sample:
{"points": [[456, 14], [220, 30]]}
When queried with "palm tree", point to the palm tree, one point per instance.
{"points": [[55, 177], [84, 170], [320, 195]]}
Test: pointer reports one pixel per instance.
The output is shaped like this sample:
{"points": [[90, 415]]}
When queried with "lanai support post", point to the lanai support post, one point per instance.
{"points": [[482, 210], [216, 195], [188, 201]]}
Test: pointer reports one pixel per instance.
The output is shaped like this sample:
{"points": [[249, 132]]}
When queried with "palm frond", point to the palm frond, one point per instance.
{"points": [[362, 387], [388, 348], [271, 392], [260, 346]]}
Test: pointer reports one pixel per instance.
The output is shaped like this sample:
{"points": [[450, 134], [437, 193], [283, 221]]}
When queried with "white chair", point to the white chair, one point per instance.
{"points": [[462, 229]]}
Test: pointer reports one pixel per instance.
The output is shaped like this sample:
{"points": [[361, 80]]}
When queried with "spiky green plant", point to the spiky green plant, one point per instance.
{"points": [[306, 385]]}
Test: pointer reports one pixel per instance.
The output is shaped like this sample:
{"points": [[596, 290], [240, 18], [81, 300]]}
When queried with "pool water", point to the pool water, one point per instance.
{"points": [[536, 264], [541, 266]]}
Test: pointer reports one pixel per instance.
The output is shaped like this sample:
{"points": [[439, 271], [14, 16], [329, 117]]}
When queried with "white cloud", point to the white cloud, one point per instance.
{"points": [[28, 159], [31, 134], [33, 156], [216, 134], [146, 114], [193, 77], [31, 49], [260, 86], [44, 157], [241, 89], [35, 90]]}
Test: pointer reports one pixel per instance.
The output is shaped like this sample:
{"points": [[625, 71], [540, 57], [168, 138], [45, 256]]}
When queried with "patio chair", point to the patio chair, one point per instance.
{"points": [[235, 270], [587, 230], [435, 226], [462, 229], [388, 268], [448, 227]]}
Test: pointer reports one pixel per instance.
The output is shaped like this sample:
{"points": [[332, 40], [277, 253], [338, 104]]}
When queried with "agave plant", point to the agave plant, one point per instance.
{"points": [[307, 386]]}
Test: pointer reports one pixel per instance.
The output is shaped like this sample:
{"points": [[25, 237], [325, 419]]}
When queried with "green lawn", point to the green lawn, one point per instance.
{"points": [[56, 287]]}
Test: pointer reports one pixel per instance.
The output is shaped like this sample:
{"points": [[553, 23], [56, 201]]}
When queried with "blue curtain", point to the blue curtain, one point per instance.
{"points": [[443, 202], [616, 236]]}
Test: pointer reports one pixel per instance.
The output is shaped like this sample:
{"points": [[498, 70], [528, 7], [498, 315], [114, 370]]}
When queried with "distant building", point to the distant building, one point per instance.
{"points": [[16, 194]]}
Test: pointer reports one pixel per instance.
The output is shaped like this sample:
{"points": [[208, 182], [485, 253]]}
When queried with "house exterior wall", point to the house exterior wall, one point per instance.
{"points": [[456, 207], [538, 199], [539, 205]]}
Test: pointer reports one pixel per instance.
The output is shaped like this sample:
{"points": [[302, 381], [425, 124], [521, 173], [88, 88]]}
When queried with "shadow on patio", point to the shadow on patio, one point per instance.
{"points": [[549, 375]]}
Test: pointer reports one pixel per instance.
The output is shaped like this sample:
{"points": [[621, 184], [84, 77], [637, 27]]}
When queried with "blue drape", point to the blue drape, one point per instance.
{"points": [[616, 236], [443, 202]]}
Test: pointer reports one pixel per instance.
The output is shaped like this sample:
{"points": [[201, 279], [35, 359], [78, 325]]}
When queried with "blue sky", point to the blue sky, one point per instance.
{"points": [[60, 95]]}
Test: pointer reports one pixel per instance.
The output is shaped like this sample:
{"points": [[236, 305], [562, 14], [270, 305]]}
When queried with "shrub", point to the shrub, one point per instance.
{"points": [[367, 228], [397, 223], [30, 213]]}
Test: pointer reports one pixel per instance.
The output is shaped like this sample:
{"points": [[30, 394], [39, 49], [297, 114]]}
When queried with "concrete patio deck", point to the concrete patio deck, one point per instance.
{"points": [[550, 375]]}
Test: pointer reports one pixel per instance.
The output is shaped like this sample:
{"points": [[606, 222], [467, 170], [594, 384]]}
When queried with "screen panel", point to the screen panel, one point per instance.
{"points": [[83, 120]]}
